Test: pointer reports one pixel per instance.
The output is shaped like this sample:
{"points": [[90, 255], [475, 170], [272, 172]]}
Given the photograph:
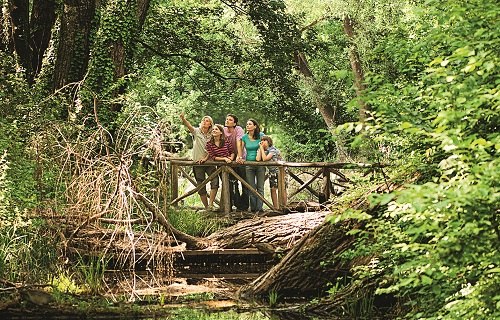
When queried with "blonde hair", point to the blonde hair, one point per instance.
{"points": [[210, 119]]}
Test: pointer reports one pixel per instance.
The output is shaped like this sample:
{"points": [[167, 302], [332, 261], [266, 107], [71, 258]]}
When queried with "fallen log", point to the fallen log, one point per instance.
{"points": [[315, 262], [302, 272], [281, 231]]}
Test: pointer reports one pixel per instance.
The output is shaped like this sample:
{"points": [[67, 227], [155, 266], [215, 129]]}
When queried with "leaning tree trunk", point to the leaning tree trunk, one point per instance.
{"points": [[318, 92], [321, 101], [301, 272], [356, 67], [314, 262]]}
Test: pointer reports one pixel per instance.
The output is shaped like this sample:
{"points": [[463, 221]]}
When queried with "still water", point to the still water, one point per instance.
{"points": [[190, 314]]}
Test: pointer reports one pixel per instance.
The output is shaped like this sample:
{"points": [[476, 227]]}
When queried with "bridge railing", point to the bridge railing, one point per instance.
{"points": [[225, 169]]}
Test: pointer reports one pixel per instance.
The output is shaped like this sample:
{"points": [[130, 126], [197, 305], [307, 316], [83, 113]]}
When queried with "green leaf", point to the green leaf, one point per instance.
{"points": [[461, 100], [493, 270], [381, 199], [444, 63], [426, 280], [405, 125]]}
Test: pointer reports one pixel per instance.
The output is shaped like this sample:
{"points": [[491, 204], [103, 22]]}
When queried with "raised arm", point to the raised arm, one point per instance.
{"points": [[186, 122]]}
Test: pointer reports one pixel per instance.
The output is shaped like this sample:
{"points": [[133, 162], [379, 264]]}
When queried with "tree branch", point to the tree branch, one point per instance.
{"points": [[206, 67]]}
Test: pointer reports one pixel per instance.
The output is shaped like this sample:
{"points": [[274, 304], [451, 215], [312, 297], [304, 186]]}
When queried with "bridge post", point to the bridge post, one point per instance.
{"points": [[225, 195], [325, 188], [281, 189], [174, 176]]}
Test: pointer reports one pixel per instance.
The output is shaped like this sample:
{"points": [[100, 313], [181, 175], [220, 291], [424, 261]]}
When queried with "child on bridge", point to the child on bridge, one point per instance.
{"points": [[268, 152]]}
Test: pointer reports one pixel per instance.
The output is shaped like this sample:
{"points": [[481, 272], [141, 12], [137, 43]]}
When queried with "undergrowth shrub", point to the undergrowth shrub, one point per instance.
{"points": [[437, 240]]}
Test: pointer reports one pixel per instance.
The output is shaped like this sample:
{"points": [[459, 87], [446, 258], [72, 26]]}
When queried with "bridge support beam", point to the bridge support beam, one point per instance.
{"points": [[225, 194]]}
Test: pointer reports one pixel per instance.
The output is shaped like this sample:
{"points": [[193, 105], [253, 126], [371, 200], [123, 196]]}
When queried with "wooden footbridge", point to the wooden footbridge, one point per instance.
{"points": [[236, 261], [324, 172]]}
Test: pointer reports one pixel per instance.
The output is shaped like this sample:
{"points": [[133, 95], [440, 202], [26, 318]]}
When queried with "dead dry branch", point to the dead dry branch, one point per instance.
{"points": [[106, 212]]}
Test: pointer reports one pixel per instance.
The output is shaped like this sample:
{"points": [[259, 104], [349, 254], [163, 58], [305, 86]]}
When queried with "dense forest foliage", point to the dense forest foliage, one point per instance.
{"points": [[412, 84]]}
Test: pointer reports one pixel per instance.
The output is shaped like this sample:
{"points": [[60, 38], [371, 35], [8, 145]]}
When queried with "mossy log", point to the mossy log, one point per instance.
{"points": [[303, 271], [315, 262]]}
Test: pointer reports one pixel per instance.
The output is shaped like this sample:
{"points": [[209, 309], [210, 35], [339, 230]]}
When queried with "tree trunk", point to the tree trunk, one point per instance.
{"points": [[356, 67], [5, 28], [313, 264], [118, 50], [142, 10], [18, 33], [74, 42], [43, 17], [319, 98], [310, 269], [300, 273], [321, 101], [3, 19], [280, 231]]}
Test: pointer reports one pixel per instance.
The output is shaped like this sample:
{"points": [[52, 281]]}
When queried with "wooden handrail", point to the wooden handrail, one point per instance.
{"points": [[227, 168], [335, 165]]}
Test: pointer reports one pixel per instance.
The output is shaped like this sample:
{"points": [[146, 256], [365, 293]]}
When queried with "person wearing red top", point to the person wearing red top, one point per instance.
{"points": [[219, 149]]}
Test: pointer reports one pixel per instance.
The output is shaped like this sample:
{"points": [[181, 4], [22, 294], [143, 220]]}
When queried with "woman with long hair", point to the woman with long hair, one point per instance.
{"points": [[255, 175], [219, 149]]}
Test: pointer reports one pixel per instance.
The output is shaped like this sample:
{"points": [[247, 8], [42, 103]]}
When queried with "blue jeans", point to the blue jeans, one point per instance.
{"points": [[256, 176]]}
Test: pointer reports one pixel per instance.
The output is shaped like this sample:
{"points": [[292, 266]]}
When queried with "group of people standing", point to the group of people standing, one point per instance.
{"points": [[230, 143]]}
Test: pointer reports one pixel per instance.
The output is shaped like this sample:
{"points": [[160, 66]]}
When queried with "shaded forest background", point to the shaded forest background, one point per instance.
{"points": [[414, 84]]}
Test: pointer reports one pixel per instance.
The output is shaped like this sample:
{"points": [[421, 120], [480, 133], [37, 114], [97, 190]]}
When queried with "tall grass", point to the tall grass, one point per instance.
{"points": [[195, 223], [91, 271], [26, 254], [273, 298]]}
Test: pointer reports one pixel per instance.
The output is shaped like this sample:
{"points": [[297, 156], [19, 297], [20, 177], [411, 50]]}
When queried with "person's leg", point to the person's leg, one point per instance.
{"points": [[213, 194], [214, 186], [260, 177], [234, 194], [250, 178], [204, 200], [274, 197], [243, 199], [199, 175]]}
